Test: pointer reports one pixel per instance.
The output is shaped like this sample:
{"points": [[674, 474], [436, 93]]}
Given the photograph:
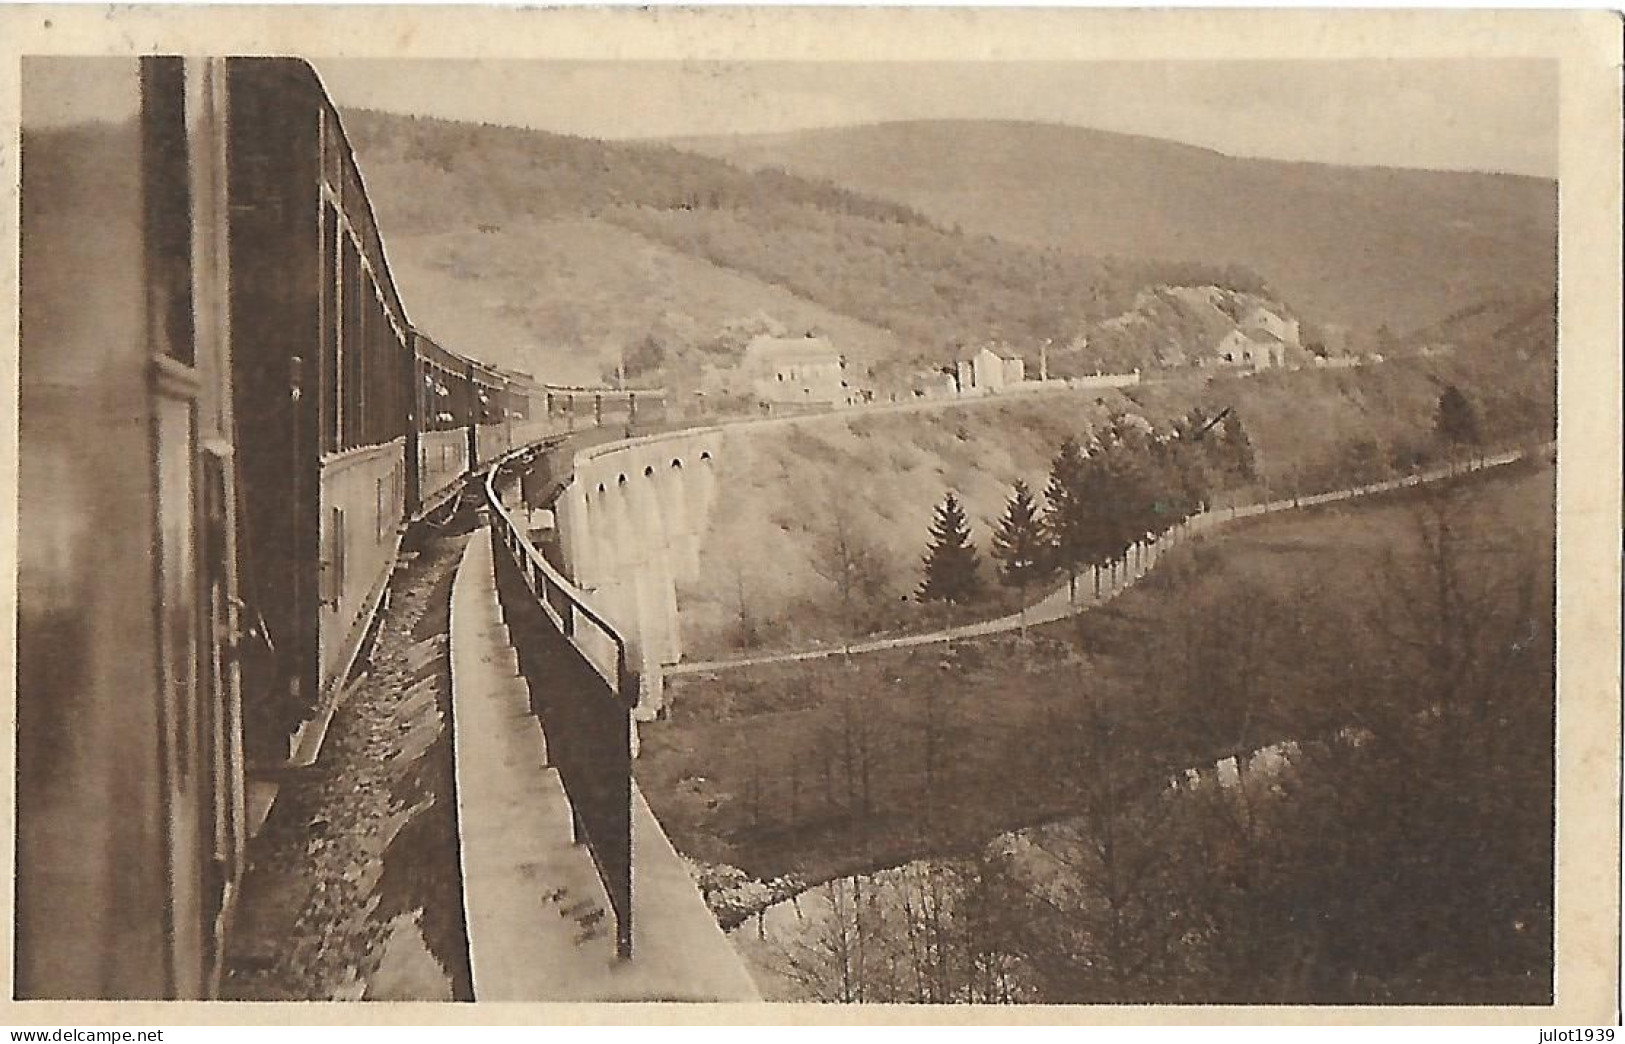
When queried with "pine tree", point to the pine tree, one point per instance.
{"points": [[950, 562], [1019, 545], [1456, 420], [1175, 498], [1128, 504], [1067, 512], [1192, 463], [1243, 459]]}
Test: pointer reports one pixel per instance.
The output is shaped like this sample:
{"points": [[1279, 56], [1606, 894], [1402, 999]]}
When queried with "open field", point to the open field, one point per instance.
{"points": [[820, 769]]}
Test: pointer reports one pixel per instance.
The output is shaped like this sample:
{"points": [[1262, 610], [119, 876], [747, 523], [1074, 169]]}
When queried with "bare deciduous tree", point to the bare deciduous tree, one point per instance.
{"points": [[856, 567]]}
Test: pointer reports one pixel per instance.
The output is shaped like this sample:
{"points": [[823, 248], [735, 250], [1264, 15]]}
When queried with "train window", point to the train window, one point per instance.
{"points": [[369, 351], [177, 578], [330, 330], [333, 561], [369, 364], [350, 344], [376, 384], [363, 361], [168, 200]]}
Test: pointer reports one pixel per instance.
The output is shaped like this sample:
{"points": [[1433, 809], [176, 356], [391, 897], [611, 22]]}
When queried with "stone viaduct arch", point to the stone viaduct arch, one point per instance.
{"points": [[630, 523]]}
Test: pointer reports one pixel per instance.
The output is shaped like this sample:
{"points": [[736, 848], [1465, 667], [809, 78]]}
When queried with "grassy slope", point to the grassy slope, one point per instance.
{"points": [[884, 473], [1358, 246], [937, 289], [1304, 423], [738, 775], [499, 240], [558, 296], [887, 472]]}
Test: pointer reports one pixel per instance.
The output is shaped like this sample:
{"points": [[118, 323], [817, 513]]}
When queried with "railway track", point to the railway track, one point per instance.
{"points": [[352, 889]]}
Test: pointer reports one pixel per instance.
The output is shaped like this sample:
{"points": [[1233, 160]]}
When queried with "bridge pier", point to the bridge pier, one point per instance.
{"points": [[633, 519]]}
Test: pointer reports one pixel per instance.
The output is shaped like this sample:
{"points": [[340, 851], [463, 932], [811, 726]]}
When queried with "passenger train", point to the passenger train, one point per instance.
{"points": [[228, 420]]}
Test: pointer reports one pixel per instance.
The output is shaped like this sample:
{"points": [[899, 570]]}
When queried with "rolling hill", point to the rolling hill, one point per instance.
{"points": [[1359, 247], [554, 253], [561, 255]]}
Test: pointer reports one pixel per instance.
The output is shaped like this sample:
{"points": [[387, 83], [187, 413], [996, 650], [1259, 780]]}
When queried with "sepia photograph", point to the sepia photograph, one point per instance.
{"points": [[841, 528]]}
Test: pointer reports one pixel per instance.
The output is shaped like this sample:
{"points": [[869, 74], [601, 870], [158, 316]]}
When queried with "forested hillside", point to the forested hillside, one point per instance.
{"points": [[1358, 247], [1523, 326]]}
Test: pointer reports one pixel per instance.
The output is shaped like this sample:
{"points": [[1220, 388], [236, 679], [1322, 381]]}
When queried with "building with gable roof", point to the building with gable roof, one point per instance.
{"points": [[797, 371], [985, 371], [1258, 349]]}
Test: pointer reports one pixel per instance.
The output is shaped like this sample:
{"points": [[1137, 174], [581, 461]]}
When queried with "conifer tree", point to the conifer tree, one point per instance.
{"points": [[1456, 419], [950, 561], [1191, 462], [1067, 512], [1128, 503], [1019, 545], [1243, 459], [1173, 500]]}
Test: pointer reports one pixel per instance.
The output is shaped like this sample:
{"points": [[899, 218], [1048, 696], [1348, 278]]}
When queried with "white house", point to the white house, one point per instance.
{"points": [[987, 371], [1282, 328], [805, 371], [1261, 340], [1257, 349]]}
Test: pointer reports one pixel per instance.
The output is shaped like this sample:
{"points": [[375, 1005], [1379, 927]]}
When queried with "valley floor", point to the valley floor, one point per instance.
{"points": [[1276, 629]]}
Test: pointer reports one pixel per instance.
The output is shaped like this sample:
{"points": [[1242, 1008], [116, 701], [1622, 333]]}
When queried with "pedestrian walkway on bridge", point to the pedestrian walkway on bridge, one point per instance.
{"points": [[540, 927]]}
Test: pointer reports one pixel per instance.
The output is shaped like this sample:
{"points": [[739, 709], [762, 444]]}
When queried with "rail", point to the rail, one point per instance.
{"points": [[583, 688]]}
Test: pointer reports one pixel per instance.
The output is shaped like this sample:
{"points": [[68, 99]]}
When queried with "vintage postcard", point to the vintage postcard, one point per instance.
{"points": [[812, 515]]}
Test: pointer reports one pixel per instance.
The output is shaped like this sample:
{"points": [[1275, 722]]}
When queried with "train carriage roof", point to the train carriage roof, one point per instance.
{"points": [[338, 164]]}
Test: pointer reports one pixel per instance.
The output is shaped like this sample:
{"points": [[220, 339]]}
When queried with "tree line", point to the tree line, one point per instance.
{"points": [[1130, 485]]}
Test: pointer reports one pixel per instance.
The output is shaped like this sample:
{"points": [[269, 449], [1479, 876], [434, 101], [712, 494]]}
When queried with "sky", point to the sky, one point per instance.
{"points": [[1488, 115]]}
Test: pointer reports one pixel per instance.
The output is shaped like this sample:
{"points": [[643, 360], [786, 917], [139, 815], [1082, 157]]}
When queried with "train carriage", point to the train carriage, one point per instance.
{"points": [[445, 412], [492, 431], [130, 823], [219, 447], [213, 477], [323, 387]]}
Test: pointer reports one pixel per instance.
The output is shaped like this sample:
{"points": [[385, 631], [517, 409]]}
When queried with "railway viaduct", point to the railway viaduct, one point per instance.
{"points": [[632, 518], [630, 523]]}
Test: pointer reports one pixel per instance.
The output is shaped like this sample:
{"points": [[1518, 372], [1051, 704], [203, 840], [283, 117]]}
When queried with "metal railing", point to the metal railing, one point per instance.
{"points": [[583, 688]]}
